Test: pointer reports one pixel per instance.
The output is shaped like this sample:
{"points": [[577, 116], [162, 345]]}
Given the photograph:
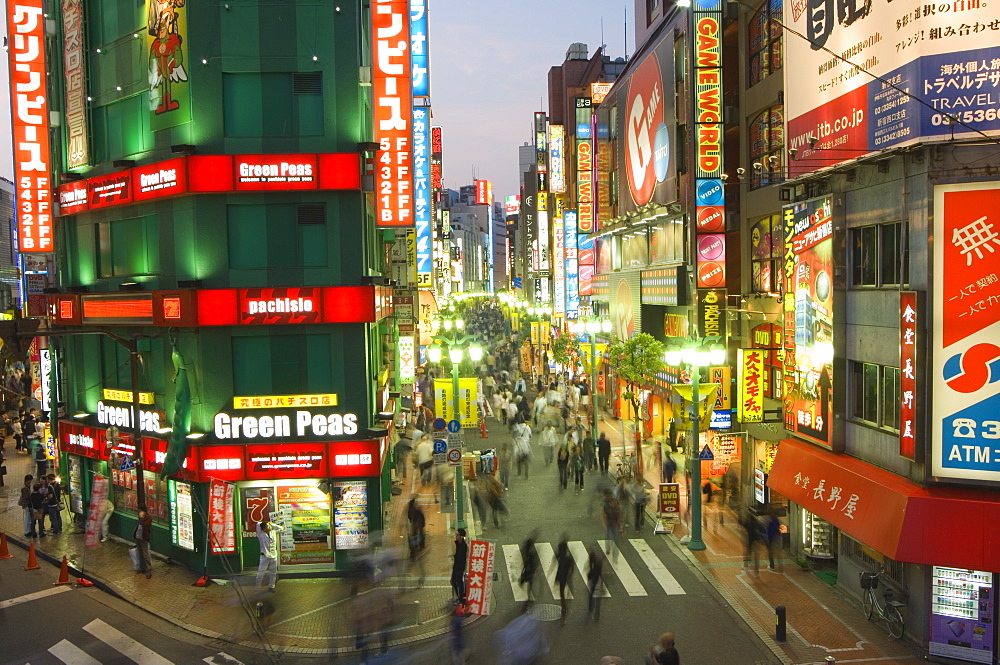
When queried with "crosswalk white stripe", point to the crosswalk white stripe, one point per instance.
{"points": [[582, 558], [124, 644], [546, 557], [656, 567], [512, 554], [632, 584], [71, 654], [28, 597]]}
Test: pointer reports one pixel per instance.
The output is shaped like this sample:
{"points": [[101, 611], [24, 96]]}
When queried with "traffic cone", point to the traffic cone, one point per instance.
{"points": [[83, 581], [482, 428], [4, 553], [32, 561], [63, 573]]}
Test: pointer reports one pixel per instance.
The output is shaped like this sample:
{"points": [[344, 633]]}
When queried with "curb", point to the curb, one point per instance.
{"points": [[74, 571]]}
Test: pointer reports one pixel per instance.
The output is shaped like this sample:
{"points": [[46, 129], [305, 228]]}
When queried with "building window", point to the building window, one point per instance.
{"points": [[128, 247], [893, 572], [272, 104], [875, 395], [764, 41], [767, 246], [282, 364], [767, 147], [277, 235], [876, 259]]}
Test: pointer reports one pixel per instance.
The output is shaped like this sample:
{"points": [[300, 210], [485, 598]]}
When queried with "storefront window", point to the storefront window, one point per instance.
{"points": [[76, 484], [818, 536], [764, 41], [666, 242], [635, 250], [767, 245], [125, 496]]}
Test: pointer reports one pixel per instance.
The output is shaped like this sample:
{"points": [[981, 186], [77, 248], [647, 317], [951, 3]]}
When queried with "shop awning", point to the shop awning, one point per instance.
{"points": [[900, 519]]}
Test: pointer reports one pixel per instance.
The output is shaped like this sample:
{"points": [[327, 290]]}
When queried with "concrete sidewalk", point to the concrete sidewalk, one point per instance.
{"points": [[304, 616], [822, 620]]}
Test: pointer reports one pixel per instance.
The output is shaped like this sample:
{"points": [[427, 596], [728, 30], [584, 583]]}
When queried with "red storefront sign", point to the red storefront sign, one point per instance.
{"points": [[263, 172], [222, 463], [221, 520], [160, 180], [280, 306], [670, 499], [109, 190], [479, 576], [275, 461], [154, 452], [72, 197], [288, 460], [30, 106], [355, 458], [908, 374], [82, 440]]}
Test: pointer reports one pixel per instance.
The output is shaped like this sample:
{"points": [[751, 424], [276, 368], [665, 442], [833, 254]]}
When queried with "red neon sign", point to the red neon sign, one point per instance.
{"points": [[908, 313], [263, 172], [392, 85], [280, 305], [159, 180]]}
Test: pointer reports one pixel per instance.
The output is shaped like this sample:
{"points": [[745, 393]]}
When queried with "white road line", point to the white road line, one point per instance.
{"points": [[124, 644], [512, 555], [222, 658], [27, 598], [546, 558], [660, 572], [632, 584], [71, 654], [582, 558]]}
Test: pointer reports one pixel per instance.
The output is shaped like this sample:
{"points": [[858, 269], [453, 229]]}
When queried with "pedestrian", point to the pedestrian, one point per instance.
{"points": [[416, 538], [589, 453], [55, 504], [664, 652], [772, 528], [563, 565], [611, 517], [19, 442], [479, 502], [25, 503], [562, 461], [669, 466], [640, 497], [595, 586], [494, 497], [512, 412], [109, 510], [522, 448], [41, 457], [425, 458], [268, 553], [603, 452], [751, 532], [706, 489], [403, 449], [576, 466], [446, 478], [548, 442], [504, 463], [529, 567], [458, 564]]}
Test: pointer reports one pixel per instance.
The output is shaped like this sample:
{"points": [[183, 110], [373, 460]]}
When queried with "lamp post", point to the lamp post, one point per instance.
{"points": [[591, 327], [695, 356], [456, 352]]}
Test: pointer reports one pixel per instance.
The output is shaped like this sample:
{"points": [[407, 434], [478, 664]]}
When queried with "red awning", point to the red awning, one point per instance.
{"points": [[904, 521]]}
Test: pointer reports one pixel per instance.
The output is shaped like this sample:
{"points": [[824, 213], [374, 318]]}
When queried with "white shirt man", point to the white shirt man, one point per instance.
{"points": [[268, 553]]}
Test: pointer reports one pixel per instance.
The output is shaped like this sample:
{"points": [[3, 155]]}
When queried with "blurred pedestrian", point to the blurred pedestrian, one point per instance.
{"points": [[589, 453], [143, 532], [563, 565], [772, 528], [529, 567], [425, 458], [595, 578], [25, 503], [752, 536], [640, 497], [459, 561], [55, 504], [39, 503], [562, 461], [548, 442], [669, 466], [495, 498], [664, 652], [603, 452], [109, 510], [522, 448], [504, 463], [611, 517], [576, 466]]}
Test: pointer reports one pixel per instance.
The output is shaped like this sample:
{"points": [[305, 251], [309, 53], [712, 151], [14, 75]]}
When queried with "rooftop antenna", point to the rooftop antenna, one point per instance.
{"points": [[603, 45], [625, 33]]}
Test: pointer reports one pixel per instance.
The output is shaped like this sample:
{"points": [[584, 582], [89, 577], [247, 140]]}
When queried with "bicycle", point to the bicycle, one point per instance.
{"points": [[888, 612]]}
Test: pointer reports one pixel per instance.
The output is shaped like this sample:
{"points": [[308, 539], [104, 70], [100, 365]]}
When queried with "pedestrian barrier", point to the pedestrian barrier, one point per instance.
{"points": [[4, 552], [32, 561], [63, 573]]}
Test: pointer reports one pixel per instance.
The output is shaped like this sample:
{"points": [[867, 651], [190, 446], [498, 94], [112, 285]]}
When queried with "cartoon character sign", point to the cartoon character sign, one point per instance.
{"points": [[168, 91]]}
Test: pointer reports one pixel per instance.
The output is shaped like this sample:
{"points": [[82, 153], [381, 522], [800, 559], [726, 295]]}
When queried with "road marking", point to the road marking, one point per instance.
{"points": [[124, 644], [37, 595], [546, 557], [656, 567], [512, 555], [71, 654], [632, 584], [222, 658], [582, 558]]}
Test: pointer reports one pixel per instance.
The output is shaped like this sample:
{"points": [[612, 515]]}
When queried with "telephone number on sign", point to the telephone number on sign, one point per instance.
{"points": [[979, 115]]}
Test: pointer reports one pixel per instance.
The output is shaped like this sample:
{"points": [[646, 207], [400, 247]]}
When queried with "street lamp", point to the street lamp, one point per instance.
{"points": [[695, 356], [592, 327], [457, 347]]}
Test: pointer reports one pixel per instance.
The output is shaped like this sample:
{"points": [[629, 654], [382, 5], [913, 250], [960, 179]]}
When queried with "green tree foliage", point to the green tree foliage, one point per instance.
{"points": [[566, 350], [636, 361]]}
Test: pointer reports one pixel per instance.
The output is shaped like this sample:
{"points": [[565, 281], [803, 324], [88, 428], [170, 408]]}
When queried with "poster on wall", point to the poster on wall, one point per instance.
{"points": [[169, 92], [808, 313], [965, 346], [304, 512], [625, 299], [181, 514], [350, 514], [221, 522], [98, 499]]}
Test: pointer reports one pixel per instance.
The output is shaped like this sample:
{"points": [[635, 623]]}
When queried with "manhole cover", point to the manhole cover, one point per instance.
{"points": [[545, 612]]}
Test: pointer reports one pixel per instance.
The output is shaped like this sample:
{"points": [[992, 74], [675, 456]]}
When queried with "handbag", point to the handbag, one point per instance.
{"points": [[136, 557]]}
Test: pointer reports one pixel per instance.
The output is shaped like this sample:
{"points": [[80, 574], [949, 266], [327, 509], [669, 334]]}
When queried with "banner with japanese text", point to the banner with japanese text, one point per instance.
{"points": [[221, 519], [751, 405], [479, 577], [468, 408], [98, 499]]}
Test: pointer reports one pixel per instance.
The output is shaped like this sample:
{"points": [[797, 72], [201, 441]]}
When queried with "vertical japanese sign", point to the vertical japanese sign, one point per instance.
{"points": [[484, 192], [419, 55], [422, 195], [572, 267], [908, 374], [965, 415], [444, 404], [169, 95], [181, 514], [751, 404], [98, 499], [584, 167], [30, 106], [479, 577], [809, 318], [407, 359], [436, 148], [221, 520], [557, 162], [670, 499], [558, 266], [393, 117], [74, 72]]}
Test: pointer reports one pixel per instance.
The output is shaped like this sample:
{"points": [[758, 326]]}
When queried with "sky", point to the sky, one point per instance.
{"points": [[489, 73]]}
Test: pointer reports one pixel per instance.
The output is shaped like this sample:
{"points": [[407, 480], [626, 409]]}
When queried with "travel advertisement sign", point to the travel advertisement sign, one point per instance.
{"points": [[808, 314], [965, 348]]}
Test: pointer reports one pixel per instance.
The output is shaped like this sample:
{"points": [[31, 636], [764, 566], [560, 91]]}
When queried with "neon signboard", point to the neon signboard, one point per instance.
{"points": [[391, 81]]}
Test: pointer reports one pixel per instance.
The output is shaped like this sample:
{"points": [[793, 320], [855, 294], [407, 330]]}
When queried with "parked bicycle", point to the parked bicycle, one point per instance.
{"points": [[887, 611]]}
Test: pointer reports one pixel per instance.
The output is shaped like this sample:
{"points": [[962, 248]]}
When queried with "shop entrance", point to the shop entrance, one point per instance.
{"points": [[302, 508]]}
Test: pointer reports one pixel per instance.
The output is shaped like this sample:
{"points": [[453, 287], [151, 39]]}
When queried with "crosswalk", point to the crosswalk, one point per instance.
{"points": [[618, 572], [124, 647]]}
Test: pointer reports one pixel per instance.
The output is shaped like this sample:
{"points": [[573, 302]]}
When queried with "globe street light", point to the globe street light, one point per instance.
{"points": [[457, 348], [695, 356]]}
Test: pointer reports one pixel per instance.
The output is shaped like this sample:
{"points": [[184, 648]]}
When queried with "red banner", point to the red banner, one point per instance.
{"points": [[98, 497], [221, 521], [480, 577], [908, 374]]}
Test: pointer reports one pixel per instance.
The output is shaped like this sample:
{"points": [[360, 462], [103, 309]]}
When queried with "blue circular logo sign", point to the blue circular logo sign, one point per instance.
{"points": [[661, 152], [602, 130], [707, 4], [583, 130], [710, 192]]}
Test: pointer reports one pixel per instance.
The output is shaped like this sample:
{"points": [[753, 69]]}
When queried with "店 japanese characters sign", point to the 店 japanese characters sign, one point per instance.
{"points": [[479, 577], [751, 404], [30, 107], [965, 441], [221, 521], [908, 374], [393, 117]]}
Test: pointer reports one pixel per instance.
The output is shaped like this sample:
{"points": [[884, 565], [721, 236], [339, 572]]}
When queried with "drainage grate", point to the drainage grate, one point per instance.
{"points": [[545, 612]]}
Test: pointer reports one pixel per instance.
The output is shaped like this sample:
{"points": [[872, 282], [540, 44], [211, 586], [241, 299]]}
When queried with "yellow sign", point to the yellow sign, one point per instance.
{"points": [[468, 403], [113, 395], [751, 405], [706, 398], [721, 376], [283, 401], [534, 333]]}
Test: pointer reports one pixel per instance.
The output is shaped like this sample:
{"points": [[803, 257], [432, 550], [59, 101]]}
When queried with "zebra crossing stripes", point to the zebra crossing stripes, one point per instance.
{"points": [[70, 654], [656, 567], [624, 572], [124, 644], [582, 558], [546, 559], [515, 564]]}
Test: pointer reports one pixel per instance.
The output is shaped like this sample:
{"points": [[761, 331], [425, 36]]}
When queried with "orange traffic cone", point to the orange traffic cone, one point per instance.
{"points": [[4, 553], [482, 428], [32, 561], [83, 581], [63, 573]]}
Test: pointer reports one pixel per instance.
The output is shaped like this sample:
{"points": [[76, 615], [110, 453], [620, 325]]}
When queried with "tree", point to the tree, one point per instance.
{"points": [[566, 350], [636, 361]]}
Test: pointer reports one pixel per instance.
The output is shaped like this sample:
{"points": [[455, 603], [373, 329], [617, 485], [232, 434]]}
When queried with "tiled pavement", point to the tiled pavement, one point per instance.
{"points": [[822, 621]]}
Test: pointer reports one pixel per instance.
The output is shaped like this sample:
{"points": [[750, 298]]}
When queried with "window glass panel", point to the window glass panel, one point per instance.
{"points": [[241, 104], [252, 365], [870, 390], [890, 397], [247, 226], [889, 253], [857, 390]]}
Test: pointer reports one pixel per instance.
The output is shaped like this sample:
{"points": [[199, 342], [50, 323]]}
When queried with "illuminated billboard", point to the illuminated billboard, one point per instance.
{"points": [[572, 265], [557, 169], [512, 204], [808, 312], [75, 74], [484, 192], [937, 64], [392, 91], [422, 194], [420, 69], [965, 349]]}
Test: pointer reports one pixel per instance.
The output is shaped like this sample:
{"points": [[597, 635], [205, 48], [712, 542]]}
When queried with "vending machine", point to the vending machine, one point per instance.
{"points": [[962, 614]]}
